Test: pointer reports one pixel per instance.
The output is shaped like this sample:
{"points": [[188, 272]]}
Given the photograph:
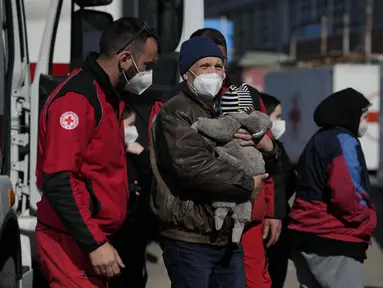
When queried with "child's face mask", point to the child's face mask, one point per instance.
{"points": [[131, 134], [278, 128]]}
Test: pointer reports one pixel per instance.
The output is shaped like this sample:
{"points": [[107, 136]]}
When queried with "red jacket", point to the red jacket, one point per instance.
{"points": [[81, 166]]}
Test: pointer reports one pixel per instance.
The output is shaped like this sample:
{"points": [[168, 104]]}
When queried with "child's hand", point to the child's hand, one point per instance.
{"points": [[135, 148]]}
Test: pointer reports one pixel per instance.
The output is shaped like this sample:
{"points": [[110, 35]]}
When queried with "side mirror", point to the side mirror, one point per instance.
{"points": [[87, 27], [164, 16], [170, 24]]}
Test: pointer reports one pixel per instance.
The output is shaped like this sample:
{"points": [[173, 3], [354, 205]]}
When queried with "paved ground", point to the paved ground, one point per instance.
{"points": [[373, 267], [373, 270]]}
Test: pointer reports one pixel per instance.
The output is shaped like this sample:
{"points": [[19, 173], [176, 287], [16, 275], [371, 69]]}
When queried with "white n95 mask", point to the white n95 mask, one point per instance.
{"points": [[278, 128], [139, 82], [208, 84], [363, 127], [131, 134]]}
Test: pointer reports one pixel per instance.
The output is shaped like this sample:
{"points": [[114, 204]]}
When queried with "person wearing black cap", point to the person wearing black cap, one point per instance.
{"points": [[333, 219], [189, 178]]}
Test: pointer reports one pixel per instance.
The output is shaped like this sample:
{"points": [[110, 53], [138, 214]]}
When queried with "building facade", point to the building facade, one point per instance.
{"points": [[254, 25], [268, 24]]}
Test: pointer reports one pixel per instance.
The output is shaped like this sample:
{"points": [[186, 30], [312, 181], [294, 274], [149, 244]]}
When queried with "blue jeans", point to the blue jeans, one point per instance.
{"points": [[203, 266]]}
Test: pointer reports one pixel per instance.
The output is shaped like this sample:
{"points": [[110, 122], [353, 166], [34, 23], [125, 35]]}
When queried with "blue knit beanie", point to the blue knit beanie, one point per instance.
{"points": [[196, 48]]}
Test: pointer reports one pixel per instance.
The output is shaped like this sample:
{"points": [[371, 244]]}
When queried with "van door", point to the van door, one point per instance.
{"points": [[14, 98], [14, 136]]}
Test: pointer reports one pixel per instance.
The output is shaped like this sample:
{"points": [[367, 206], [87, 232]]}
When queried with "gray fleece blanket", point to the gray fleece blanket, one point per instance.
{"points": [[220, 133]]}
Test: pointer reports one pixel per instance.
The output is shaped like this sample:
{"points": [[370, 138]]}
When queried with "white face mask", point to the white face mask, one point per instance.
{"points": [[363, 127], [278, 128], [139, 82], [131, 134], [208, 84]]}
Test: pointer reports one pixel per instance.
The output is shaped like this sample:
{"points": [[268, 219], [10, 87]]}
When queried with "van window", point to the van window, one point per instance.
{"points": [[4, 36], [165, 16], [3, 67], [20, 16], [6, 71]]}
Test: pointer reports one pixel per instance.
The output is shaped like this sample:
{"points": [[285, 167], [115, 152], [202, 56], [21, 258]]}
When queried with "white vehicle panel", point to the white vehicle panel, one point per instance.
{"points": [[301, 90]]}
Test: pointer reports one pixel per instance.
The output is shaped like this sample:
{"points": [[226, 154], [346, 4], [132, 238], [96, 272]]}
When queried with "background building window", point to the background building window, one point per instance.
{"points": [[340, 7], [293, 12], [377, 14], [322, 8], [305, 10]]}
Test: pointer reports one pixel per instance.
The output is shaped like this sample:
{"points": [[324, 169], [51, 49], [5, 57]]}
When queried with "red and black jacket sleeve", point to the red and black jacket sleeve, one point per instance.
{"points": [[347, 180], [275, 196], [63, 185]]}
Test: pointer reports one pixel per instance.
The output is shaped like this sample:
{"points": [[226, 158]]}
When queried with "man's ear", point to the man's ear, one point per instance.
{"points": [[224, 75], [125, 60], [185, 77]]}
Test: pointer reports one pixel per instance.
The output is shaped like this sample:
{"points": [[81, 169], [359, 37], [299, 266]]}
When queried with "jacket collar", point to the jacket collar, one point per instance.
{"points": [[345, 131], [208, 106], [227, 82], [90, 65]]}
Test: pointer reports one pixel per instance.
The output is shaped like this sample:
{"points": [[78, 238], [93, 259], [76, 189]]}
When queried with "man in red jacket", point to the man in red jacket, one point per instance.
{"points": [[268, 209], [81, 167]]}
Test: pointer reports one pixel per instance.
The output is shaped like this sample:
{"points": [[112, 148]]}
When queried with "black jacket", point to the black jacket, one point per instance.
{"points": [[289, 173]]}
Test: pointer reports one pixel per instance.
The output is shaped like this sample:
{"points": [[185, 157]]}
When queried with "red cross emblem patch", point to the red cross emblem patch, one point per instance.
{"points": [[69, 120]]}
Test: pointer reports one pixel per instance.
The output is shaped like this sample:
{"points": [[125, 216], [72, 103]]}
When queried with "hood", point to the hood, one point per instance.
{"points": [[343, 108]]}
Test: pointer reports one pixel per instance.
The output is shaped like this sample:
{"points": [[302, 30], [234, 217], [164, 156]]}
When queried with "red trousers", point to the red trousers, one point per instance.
{"points": [[63, 263], [257, 275]]}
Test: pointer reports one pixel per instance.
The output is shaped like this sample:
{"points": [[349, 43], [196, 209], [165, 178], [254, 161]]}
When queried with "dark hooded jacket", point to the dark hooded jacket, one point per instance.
{"points": [[332, 213]]}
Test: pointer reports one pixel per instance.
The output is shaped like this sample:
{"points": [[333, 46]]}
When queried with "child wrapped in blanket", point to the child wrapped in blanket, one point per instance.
{"points": [[236, 111]]}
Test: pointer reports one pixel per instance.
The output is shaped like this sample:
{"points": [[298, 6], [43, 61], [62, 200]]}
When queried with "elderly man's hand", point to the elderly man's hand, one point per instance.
{"points": [[264, 144]]}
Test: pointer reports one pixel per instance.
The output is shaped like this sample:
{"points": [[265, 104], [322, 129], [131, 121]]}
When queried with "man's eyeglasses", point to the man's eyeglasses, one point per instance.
{"points": [[144, 29]]}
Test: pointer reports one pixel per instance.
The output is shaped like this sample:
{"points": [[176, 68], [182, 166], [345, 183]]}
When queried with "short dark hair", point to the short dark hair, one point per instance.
{"points": [[123, 30], [213, 34], [270, 102], [128, 111]]}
